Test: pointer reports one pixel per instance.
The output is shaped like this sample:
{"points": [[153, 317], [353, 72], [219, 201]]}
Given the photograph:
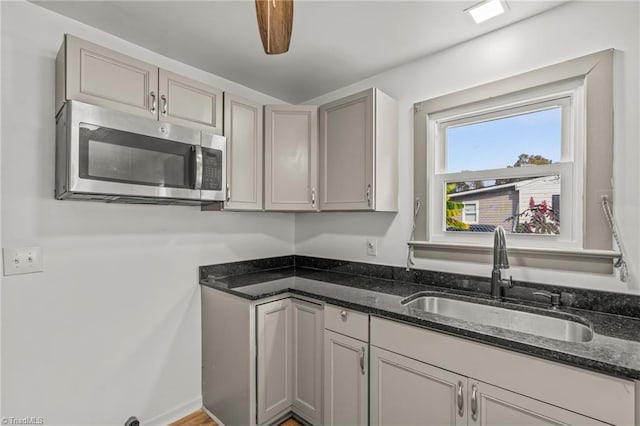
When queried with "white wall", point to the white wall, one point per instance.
{"points": [[569, 31], [111, 328]]}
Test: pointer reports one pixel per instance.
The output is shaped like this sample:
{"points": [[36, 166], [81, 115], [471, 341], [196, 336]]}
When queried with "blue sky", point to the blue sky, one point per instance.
{"points": [[498, 143]]}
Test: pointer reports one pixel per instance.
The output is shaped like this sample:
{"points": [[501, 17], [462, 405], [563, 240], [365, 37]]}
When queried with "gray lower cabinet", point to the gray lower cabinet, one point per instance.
{"points": [[244, 131], [419, 376], [346, 377], [275, 359], [289, 363], [291, 158], [493, 406], [307, 360], [408, 392]]}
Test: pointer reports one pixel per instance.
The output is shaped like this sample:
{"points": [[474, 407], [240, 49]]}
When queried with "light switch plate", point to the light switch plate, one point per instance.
{"points": [[372, 247], [22, 260]]}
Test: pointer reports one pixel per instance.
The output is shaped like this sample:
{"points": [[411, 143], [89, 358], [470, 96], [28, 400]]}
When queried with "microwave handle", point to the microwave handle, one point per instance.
{"points": [[197, 158]]}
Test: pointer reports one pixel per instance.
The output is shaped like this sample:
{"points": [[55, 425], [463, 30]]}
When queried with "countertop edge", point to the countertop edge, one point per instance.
{"points": [[487, 339]]}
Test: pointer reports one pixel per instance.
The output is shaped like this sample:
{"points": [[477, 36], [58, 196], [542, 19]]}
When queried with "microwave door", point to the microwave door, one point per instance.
{"points": [[120, 162], [213, 173], [114, 153]]}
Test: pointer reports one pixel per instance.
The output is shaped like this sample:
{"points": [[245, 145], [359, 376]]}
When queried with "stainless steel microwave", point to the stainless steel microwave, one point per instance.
{"points": [[113, 156]]}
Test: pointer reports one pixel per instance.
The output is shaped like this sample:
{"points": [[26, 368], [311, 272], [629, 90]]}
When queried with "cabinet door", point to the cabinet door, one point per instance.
{"points": [[275, 353], [346, 153], [345, 380], [409, 392], [243, 129], [493, 406], [291, 157], [307, 360], [102, 77], [189, 103]]}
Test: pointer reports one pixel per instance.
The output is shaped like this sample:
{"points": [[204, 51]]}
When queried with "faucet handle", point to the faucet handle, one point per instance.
{"points": [[554, 298]]}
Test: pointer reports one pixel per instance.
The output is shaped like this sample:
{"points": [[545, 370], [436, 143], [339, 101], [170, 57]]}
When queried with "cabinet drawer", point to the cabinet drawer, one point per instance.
{"points": [[347, 322]]}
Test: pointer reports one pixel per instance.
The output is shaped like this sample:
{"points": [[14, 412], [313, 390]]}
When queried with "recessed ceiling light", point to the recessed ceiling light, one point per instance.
{"points": [[486, 10]]}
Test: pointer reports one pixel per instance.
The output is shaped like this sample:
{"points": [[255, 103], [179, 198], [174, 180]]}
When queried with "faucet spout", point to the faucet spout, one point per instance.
{"points": [[500, 257], [500, 262]]}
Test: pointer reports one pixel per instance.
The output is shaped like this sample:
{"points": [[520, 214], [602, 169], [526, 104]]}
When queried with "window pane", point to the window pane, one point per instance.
{"points": [[528, 205], [525, 139]]}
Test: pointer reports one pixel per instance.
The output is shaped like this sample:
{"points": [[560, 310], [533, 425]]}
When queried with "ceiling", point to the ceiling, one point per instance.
{"points": [[334, 43]]}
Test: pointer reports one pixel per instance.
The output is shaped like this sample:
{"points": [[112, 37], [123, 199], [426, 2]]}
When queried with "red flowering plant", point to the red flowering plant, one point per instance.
{"points": [[537, 219]]}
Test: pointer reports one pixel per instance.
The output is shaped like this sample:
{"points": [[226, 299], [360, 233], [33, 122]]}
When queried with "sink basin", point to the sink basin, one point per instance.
{"points": [[525, 322]]}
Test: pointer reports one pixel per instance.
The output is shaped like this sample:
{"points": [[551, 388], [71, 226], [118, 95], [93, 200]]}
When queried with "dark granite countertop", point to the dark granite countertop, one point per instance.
{"points": [[614, 349]]}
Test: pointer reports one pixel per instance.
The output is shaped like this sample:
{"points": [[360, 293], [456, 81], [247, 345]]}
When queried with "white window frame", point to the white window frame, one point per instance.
{"points": [[569, 95], [464, 216]]}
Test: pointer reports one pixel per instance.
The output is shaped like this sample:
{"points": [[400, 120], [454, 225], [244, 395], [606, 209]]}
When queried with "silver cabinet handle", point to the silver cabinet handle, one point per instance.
{"points": [[343, 315], [460, 400], [362, 360], [163, 98], [154, 102], [474, 402], [228, 193], [369, 195], [313, 197]]}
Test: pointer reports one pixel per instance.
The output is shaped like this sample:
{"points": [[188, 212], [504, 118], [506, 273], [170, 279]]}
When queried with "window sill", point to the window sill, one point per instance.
{"points": [[581, 260]]}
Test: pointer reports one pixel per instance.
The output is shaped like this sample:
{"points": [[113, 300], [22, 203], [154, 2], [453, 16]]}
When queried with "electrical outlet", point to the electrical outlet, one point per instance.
{"points": [[372, 247], [23, 260]]}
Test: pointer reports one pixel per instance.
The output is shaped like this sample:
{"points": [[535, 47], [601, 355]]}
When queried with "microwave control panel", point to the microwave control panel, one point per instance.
{"points": [[211, 169]]}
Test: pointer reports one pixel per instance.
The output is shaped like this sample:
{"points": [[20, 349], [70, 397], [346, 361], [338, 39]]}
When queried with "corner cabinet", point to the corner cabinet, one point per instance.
{"points": [[244, 132], [291, 158], [99, 76], [275, 359], [289, 336], [359, 153]]}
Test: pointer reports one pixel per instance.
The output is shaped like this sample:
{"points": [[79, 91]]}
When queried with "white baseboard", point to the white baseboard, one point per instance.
{"points": [[213, 416], [175, 414]]}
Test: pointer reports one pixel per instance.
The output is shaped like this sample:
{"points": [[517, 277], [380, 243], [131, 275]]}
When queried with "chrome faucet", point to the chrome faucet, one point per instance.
{"points": [[500, 262]]}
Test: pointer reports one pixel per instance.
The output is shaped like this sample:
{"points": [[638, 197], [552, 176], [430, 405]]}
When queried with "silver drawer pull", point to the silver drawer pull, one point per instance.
{"points": [[163, 98], [343, 315], [460, 400], [474, 402], [153, 102], [362, 351]]}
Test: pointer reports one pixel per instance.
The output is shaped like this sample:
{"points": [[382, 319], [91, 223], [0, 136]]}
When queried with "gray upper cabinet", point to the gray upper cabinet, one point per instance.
{"points": [[99, 76], [291, 157], [189, 103], [244, 132], [359, 153], [93, 74]]}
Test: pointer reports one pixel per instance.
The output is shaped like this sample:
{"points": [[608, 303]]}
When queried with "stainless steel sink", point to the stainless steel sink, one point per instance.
{"points": [[525, 322]]}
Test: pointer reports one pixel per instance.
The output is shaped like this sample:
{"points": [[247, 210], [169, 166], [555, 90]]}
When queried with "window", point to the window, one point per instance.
{"points": [[470, 213], [515, 153]]}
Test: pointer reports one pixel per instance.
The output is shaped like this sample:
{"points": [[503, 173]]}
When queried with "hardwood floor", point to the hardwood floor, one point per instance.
{"points": [[200, 418]]}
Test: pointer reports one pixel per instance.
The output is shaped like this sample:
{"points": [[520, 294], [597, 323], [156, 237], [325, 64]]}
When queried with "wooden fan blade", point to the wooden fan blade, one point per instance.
{"points": [[275, 21]]}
